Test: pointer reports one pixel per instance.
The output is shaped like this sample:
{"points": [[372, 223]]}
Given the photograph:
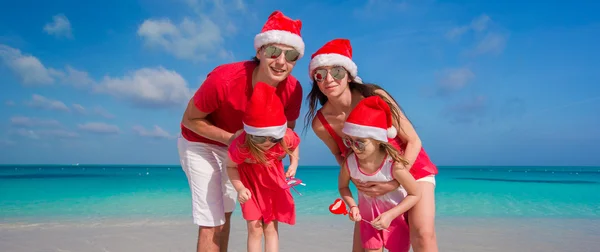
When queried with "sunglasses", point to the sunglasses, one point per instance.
{"points": [[263, 139], [359, 145], [274, 52], [337, 73]]}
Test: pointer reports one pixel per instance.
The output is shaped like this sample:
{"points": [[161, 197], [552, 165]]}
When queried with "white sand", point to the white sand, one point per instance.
{"points": [[310, 234]]}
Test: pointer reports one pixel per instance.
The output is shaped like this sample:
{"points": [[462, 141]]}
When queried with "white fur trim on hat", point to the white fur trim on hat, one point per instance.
{"points": [[392, 132], [363, 131], [279, 37], [273, 131], [332, 59]]}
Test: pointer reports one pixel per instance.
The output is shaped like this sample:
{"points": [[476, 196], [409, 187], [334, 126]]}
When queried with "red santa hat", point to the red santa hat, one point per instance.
{"points": [[280, 29], [337, 52], [371, 118], [264, 113]]}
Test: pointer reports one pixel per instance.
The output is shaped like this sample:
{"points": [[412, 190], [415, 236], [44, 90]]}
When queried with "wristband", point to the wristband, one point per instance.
{"points": [[353, 206]]}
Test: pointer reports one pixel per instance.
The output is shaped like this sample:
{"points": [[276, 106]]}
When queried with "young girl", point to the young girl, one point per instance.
{"points": [[256, 170], [372, 158]]}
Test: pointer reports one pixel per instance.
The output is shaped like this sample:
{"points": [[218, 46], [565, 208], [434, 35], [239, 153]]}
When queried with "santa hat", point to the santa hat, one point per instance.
{"points": [[371, 118], [280, 29], [264, 113], [337, 52]]}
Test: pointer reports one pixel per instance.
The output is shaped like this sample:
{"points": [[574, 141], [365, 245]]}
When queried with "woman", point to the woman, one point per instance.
{"points": [[338, 89]]}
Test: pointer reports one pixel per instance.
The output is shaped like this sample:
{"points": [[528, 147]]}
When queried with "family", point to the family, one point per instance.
{"points": [[239, 126]]}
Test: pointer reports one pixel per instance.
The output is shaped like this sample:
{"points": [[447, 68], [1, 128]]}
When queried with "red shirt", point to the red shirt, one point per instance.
{"points": [[226, 92]]}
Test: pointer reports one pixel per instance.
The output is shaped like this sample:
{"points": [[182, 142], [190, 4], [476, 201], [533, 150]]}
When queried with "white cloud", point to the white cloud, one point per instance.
{"points": [[478, 24], [28, 68], [153, 87], [79, 109], [99, 128], [103, 112], [59, 27], [38, 101], [190, 40], [31, 71], [492, 43], [45, 133], [454, 79], [156, 132], [24, 121], [97, 110], [74, 77]]}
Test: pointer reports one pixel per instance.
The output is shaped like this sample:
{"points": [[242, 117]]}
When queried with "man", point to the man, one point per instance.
{"points": [[214, 116]]}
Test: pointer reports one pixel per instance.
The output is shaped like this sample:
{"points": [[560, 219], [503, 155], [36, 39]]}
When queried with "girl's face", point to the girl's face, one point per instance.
{"points": [[362, 147], [332, 80], [264, 142]]}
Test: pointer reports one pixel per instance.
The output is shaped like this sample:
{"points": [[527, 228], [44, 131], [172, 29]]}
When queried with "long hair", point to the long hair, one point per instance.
{"points": [[315, 97], [387, 148], [258, 154]]}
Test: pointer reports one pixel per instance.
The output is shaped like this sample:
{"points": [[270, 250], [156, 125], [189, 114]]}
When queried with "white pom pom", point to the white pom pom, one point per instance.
{"points": [[358, 80], [392, 132]]}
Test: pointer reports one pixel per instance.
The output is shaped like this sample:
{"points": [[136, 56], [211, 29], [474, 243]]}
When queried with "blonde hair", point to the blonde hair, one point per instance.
{"points": [[259, 154], [388, 148]]}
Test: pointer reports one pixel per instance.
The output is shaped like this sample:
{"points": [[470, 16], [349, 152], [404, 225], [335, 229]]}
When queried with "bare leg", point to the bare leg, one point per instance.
{"points": [[271, 230], [209, 239], [422, 220], [255, 234], [356, 241], [374, 250], [225, 233]]}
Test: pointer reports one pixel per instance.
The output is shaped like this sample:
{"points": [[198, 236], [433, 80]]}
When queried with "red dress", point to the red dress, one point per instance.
{"points": [[269, 200], [422, 167]]}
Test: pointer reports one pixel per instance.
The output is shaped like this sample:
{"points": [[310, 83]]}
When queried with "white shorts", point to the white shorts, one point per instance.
{"points": [[213, 194], [430, 179]]}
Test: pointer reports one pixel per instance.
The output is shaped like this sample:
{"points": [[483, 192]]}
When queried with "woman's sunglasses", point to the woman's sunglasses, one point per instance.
{"points": [[263, 139], [337, 73], [359, 145], [273, 52]]}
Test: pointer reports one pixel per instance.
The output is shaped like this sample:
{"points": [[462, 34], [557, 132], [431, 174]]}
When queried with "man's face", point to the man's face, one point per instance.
{"points": [[277, 61]]}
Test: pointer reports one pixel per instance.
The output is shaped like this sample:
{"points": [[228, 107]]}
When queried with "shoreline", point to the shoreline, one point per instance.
{"points": [[311, 233]]}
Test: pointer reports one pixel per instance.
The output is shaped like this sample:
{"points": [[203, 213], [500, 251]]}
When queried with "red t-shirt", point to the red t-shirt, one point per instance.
{"points": [[226, 92]]}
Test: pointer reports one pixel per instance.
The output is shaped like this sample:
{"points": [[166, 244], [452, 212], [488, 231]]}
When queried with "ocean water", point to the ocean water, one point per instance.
{"points": [[67, 192]]}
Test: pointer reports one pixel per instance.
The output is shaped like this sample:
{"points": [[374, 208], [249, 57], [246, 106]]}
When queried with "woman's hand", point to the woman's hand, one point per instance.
{"points": [[355, 214], [374, 189]]}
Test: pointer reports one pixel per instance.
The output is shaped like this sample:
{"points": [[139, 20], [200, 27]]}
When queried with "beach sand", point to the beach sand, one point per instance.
{"points": [[332, 233]]}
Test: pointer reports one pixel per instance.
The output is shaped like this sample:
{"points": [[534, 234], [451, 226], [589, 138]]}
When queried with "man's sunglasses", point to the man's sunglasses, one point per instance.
{"points": [[357, 144], [274, 52], [263, 139], [337, 73]]}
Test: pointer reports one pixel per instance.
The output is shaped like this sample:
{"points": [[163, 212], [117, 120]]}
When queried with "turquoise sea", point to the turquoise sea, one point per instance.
{"points": [[33, 193]]}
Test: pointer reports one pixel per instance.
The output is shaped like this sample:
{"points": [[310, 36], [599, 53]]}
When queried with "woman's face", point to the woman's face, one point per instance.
{"points": [[332, 80]]}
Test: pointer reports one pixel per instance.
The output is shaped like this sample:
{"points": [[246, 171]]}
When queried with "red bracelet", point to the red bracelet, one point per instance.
{"points": [[353, 206]]}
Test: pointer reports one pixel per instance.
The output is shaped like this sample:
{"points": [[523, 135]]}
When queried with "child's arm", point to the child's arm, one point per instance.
{"points": [[402, 174], [344, 188], [291, 171], [234, 176]]}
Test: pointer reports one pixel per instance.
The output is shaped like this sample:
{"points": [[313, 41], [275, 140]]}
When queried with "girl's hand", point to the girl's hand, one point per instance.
{"points": [[375, 189], [382, 221], [355, 214], [244, 195], [291, 171]]}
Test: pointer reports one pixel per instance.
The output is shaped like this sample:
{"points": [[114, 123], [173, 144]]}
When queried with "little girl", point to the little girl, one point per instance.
{"points": [[256, 170], [372, 158]]}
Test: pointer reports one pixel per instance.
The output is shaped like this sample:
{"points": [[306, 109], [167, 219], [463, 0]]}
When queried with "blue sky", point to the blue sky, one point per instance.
{"points": [[485, 83]]}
